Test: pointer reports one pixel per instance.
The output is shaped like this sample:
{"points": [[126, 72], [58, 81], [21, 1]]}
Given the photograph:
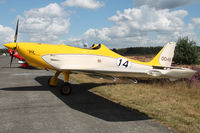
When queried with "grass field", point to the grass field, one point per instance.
{"points": [[174, 104]]}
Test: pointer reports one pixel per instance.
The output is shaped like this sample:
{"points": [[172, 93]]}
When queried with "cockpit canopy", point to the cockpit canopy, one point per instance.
{"points": [[95, 46]]}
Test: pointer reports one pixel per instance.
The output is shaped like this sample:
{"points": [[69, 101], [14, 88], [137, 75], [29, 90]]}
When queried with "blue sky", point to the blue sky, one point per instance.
{"points": [[115, 23]]}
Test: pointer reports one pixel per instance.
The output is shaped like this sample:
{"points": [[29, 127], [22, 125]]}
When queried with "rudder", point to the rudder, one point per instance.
{"points": [[165, 56]]}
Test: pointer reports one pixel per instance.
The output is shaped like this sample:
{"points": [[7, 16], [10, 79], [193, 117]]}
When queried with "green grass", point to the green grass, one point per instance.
{"points": [[176, 105]]}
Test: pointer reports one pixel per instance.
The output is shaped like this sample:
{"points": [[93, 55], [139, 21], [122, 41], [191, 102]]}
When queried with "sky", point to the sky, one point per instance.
{"points": [[115, 23]]}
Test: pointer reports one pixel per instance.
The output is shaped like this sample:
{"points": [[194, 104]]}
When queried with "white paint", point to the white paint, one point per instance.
{"points": [[165, 58], [123, 63]]}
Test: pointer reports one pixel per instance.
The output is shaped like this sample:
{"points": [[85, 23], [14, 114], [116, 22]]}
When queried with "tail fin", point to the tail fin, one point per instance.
{"points": [[165, 56]]}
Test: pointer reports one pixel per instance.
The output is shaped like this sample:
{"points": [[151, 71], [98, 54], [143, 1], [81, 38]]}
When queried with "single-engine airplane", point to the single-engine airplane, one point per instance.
{"points": [[21, 61], [98, 59]]}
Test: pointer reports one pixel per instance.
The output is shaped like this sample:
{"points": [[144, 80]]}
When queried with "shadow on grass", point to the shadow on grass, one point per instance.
{"points": [[87, 102]]}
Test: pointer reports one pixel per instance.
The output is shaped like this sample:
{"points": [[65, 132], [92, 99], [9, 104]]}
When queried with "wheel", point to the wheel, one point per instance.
{"points": [[65, 89], [52, 82], [134, 80]]}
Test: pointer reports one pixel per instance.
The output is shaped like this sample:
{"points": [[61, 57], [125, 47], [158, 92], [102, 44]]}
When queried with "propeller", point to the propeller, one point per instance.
{"points": [[15, 41]]}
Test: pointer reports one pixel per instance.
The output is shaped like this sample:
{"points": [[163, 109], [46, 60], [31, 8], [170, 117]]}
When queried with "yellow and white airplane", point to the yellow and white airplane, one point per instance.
{"points": [[98, 59]]}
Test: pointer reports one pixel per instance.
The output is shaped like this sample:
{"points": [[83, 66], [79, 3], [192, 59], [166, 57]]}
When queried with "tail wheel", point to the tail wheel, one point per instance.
{"points": [[134, 80], [66, 89]]}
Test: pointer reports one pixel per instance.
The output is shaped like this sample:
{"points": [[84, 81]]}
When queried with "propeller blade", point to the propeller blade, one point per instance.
{"points": [[13, 52], [16, 32], [15, 40]]}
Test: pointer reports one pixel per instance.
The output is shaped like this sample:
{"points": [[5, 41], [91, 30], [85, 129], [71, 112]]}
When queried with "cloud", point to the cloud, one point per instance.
{"points": [[89, 4], [46, 24], [150, 19], [196, 22], [6, 34], [142, 26], [163, 4], [2, 1]]}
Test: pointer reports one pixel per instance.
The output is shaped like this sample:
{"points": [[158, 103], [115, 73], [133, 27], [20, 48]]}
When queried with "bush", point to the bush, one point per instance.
{"points": [[186, 52]]}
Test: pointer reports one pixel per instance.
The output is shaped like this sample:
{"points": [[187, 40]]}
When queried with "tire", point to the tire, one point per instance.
{"points": [[65, 89]]}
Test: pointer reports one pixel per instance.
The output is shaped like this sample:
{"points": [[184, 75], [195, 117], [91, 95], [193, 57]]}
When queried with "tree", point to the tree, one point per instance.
{"points": [[186, 52]]}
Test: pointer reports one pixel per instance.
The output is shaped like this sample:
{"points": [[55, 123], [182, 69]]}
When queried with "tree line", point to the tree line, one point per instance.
{"points": [[138, 50]]}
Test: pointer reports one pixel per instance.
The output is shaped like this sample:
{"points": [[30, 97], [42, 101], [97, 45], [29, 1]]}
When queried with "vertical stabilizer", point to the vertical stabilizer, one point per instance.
{"points": [[165, 56]]}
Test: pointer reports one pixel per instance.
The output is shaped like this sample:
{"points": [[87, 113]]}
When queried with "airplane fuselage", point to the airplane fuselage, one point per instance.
{"points": [[104, 61]]}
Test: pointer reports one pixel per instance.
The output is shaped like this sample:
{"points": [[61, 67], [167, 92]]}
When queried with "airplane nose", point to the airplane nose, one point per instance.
{"points": [[10, 45]]}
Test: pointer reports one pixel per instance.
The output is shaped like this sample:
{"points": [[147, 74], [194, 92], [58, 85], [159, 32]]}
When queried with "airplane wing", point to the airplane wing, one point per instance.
{"points": [[118, 67]]}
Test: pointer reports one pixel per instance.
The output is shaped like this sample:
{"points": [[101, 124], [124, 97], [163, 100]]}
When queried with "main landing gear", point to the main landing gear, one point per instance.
{"points": [[66, 87]]}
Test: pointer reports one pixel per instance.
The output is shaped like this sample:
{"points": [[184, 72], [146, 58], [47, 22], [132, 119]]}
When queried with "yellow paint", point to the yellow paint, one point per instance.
{"points": [[53, 81], [10, 45], [33, 52], [66, 76]]}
